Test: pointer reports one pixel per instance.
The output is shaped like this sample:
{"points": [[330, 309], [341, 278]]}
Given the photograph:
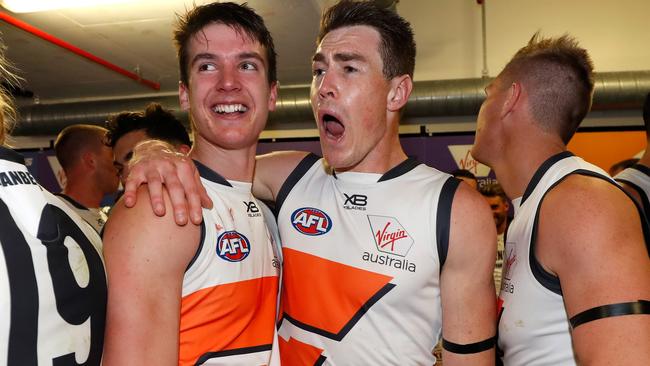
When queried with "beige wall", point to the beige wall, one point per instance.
{"points": [[448, 32]]}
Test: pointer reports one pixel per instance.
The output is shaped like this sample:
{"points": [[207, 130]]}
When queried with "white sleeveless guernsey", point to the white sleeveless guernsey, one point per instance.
{"points": [[228, 308], [638, 177], [94, 216], [362, 265], [533, 326], [52, 278]]}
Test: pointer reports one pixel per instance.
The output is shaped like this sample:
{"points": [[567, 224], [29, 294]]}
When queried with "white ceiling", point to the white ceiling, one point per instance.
{"points": [[137, 36]]}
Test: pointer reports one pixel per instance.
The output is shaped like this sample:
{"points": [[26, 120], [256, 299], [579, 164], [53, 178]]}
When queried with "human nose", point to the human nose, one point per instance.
{"points": [[229, 80], [327, 87]]}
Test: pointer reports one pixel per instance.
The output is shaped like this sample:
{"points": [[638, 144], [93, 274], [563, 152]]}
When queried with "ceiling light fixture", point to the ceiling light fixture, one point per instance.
{"points": [[30, 6]]}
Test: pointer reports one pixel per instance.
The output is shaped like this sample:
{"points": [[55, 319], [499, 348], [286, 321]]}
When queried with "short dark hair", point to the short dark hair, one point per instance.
{"points": [[493, 190], [559, 76], [646, 114], [622, 165], [239, 17], [463, 173], [397, 44], [74, 140], [157, 122]]}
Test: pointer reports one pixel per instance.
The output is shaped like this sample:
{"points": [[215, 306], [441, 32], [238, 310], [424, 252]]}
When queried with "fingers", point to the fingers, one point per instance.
{"points": [[190, 188], [130, 187], [157, 165], [155, 186], [177, 195], [197, 199], [140, 173]]}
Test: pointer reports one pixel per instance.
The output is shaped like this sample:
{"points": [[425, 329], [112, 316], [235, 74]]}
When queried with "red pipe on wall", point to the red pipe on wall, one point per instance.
{"points": [[61, 43]]}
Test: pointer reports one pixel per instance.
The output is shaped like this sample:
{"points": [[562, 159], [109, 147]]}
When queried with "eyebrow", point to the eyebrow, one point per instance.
{"points": [[255, 55], [342, 56], [203, 56], [240, 56]]}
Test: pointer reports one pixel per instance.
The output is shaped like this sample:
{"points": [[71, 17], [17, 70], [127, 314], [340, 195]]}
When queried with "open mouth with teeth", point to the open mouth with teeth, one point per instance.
{"points": [[229, 108], [333, 127]]}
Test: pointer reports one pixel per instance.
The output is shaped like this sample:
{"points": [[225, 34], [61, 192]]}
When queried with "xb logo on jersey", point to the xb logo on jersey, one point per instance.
{"points": [[311, 221], [355, 202], [390, 236], [251, 209], [233, 246]]}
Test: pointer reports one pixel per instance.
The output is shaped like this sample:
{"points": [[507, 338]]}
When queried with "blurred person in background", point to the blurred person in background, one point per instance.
{"points": [[127, 129], [89, 171], [636, 179]]}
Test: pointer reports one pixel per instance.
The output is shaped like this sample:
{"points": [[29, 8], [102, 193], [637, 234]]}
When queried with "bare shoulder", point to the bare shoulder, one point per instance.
{"points": [[590, 235], [472, 229], [631, 191], [470, 210], [582, 210], [272, 170], [137, 231]]}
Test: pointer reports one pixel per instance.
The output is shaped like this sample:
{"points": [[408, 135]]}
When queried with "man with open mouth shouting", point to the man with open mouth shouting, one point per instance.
{"points": [[378, 249]]}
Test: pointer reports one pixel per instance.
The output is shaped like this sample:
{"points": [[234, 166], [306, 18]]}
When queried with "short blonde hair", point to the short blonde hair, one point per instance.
{"points": [[560, 77], [7, 110]]}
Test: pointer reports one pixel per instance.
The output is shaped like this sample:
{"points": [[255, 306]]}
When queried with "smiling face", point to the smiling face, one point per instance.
{"points": [[228, 95], [349, 95]]}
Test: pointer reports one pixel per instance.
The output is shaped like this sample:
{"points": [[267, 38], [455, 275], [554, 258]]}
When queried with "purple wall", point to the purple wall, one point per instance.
{"points": [[431, 150]]}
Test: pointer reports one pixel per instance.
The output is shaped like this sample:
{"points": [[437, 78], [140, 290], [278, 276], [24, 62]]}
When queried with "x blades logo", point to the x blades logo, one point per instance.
{"points": [[311, 221], [390, 236], [251, 209], [233, 246], [355, 202]]}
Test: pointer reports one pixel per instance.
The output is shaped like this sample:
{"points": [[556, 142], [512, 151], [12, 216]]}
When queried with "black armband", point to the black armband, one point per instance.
{"points": [[607, 311], [465, 349]]}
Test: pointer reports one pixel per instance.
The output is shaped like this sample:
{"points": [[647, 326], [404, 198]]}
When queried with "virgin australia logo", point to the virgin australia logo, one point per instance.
{"points": [[390, 236]]}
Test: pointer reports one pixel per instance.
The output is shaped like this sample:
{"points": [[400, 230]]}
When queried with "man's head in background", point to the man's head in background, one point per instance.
{"points": [[85, 159], [498, 202], [127, 129], [466, 176], [622, 165]]}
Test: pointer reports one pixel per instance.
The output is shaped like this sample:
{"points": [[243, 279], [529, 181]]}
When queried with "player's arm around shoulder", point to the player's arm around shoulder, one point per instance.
{"points": [[146, 257], [272, 170], [590, 236], [467, 284]]}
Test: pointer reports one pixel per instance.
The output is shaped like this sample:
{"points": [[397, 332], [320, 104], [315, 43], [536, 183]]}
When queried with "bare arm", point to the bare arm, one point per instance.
{"points": [[156, 163], [145, 266], [467, 287], [590, 237], [272, 170]]}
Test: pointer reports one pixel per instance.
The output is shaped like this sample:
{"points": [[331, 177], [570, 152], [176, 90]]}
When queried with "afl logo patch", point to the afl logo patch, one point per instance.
{"points": [[311, 221], [233, 246]]}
